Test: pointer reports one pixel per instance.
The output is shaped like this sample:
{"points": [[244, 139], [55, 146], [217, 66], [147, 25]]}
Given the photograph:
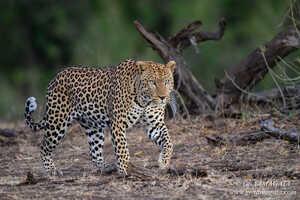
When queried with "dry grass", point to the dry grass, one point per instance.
{"points": [[200, 171]]}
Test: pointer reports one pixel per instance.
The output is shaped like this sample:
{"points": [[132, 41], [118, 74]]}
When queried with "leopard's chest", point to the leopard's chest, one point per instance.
{"points": [[134, 115]]}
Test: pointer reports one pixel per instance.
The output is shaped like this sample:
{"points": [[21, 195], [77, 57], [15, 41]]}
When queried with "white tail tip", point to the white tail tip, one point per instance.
{"points": [[32, 104]]}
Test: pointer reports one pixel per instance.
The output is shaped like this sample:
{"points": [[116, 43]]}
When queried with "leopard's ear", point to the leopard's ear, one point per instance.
{"points": [[171, 65], [141, 65]]}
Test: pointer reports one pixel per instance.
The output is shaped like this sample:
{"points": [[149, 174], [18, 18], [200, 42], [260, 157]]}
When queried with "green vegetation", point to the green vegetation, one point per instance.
{"points": [[39, 38]]}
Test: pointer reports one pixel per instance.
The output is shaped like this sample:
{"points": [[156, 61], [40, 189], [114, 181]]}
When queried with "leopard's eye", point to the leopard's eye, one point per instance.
{"points": [[153, 82], [167, 82]]}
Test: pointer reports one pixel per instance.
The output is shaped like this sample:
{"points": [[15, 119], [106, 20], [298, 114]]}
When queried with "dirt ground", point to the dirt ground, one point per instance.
{"points": [[269, 169]]}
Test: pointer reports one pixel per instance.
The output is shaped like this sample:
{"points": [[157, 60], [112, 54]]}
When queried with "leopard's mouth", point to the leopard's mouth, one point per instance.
{"points": [[161, 104], [156, 101]]}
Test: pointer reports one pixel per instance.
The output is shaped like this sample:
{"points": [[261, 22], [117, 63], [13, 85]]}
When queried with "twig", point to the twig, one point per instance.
{"points": [[293, 18], [183, 105], [271, 73], [289, 116], [238, 87]]}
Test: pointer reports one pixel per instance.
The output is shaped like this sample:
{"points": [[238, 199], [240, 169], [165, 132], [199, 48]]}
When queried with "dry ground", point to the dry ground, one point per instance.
{"points": [[266, 170]]}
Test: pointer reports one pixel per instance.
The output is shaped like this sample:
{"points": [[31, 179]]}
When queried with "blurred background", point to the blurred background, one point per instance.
{"points": [[40, 37]]}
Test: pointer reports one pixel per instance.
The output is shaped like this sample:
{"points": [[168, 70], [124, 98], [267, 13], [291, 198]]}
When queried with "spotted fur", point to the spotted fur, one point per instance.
{"points": [[116, 97]]}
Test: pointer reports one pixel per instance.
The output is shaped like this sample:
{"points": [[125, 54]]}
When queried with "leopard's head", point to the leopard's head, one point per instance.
{"points": [[155, 82]]}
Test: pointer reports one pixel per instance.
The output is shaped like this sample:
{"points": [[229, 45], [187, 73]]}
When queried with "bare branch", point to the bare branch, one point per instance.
{"points": [[253, 68], [181, 40], [152, 39]]}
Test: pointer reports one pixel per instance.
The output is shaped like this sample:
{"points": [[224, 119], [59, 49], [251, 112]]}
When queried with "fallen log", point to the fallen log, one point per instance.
{"points": [[267, 130], [215, 140], [250, 138], [242, 140], [292, 91], [284, 99], [268, 127], [8, 132]]}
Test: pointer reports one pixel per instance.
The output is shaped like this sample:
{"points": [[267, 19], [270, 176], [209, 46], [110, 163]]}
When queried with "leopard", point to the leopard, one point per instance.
{"points": [[116, 98]]}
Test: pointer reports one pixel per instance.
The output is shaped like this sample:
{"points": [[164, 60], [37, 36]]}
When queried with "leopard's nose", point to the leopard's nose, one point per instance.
{"points": [[162, 97]]}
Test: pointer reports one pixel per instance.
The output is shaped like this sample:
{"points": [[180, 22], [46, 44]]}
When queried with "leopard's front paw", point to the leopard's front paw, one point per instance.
{"points": [[163, 163], [122, 169], [164, 158]]}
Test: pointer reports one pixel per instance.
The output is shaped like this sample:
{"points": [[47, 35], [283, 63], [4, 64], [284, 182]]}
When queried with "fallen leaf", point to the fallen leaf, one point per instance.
{"points": [[138, 153]]}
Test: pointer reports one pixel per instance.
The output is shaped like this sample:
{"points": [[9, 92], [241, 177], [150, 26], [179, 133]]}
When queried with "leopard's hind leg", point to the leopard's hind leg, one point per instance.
{"points": [[55, 130]]}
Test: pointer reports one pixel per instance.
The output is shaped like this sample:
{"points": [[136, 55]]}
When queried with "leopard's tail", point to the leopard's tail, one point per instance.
{"points": [[30, 107]]}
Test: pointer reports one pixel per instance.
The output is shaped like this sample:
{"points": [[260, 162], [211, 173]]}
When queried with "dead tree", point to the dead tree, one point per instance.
{"points": [[252, 69], [243, 76], [171, 49]]}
